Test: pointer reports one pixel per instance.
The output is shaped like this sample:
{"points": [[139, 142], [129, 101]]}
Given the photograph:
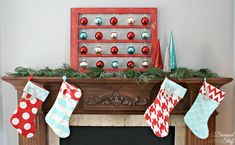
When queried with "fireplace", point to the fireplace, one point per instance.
{"points": [[112, 102], [177, 132], [110, 135]]}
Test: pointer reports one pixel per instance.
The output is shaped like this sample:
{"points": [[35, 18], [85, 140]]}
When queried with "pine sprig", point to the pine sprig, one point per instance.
{"points": [[140, 76], [182, 72], [205, 73]]}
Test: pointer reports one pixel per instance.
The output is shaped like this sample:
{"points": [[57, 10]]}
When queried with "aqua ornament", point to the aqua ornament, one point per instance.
{"points": [[98, 21], [173, 65], [83, 35], [131, 50], [115, 64], [145, 35]]}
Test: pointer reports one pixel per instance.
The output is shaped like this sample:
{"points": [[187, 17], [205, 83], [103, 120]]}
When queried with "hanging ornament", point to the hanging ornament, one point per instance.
{"points": [[131, 21], [145, 63], [98, 35], [100, 64], [98, 49], [145, 35], [114, 50], [130, 35], [167, 61], [145, 21], [83, 21], [158, 58], [114, 35], [113, 21], [83, 35], [98, 21], [83, 50], [145, 49], [84, 64], [172, 53], [115, 64], [130, 64], [131, 50]]}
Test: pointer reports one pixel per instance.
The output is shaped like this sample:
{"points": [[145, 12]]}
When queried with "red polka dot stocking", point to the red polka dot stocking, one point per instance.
{"points": [[23, 119]]}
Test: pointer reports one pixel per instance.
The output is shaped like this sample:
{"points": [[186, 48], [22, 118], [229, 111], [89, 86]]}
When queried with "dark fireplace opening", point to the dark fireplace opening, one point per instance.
{"points": [[90, 135]]}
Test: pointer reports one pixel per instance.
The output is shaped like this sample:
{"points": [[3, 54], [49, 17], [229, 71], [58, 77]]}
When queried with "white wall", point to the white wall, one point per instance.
{"points": [[234, 71], [1, 109], [37, 33]]}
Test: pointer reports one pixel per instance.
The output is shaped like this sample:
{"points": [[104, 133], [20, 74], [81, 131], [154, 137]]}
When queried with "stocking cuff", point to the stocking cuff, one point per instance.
{"points": [[212, 92], [73, 91], [36, 90], [174, 88]]}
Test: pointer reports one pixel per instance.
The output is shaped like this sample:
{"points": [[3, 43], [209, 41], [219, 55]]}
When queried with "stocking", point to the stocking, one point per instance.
{"points": [[207, 101], [23, 119], [60, 113], [157, 114]]}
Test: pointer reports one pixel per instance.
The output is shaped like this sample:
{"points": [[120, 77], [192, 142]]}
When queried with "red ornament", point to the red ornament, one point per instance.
{"points": [[98, 35], [113, 21], [130, 35], [83, 50], [83, 21], [130, 64], [100, 64], [145, 21], [145, 50], [114, 50]]}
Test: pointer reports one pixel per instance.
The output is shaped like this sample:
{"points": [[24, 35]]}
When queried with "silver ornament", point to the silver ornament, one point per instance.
{"points": [[145, 35], [84, 64], [131, 20], [145, 63], [114, 35], [98, 49]]}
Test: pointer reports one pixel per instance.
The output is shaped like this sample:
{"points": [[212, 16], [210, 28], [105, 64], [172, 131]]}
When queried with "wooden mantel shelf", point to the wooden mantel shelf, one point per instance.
{"points": [[115, 96]]}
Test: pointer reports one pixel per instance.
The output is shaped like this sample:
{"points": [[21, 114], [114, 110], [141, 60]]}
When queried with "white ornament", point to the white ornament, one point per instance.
{"points": [[83, 64], [145, 63], [114, 35], [131, 21], [98, 49]]}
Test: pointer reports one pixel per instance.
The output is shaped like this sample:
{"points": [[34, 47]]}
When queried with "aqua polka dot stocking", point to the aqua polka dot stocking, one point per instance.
{"points": [[23, 119]]}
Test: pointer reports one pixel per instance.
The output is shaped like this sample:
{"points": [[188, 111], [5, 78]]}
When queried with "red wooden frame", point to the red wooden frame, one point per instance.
{"points": [[74, 50]]}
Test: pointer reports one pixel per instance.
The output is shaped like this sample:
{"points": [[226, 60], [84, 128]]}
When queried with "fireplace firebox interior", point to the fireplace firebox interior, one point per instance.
{"points": [[89, 135]]}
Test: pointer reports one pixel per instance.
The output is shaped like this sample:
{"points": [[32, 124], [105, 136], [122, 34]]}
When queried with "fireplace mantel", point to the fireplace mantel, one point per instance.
{"points": [[115, 96]]}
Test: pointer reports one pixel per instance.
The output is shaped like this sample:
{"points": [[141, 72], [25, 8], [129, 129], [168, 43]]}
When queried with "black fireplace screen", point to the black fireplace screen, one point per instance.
{"points": [[87, 135]]}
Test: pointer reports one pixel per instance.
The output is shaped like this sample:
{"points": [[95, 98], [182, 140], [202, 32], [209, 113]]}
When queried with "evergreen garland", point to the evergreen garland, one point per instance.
{"points": [[142, 76]]}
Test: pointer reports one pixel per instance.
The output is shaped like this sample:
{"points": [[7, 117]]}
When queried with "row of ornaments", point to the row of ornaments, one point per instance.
{"points": [[115, 64], [113, 21], [114, 35], [114, 50]]}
